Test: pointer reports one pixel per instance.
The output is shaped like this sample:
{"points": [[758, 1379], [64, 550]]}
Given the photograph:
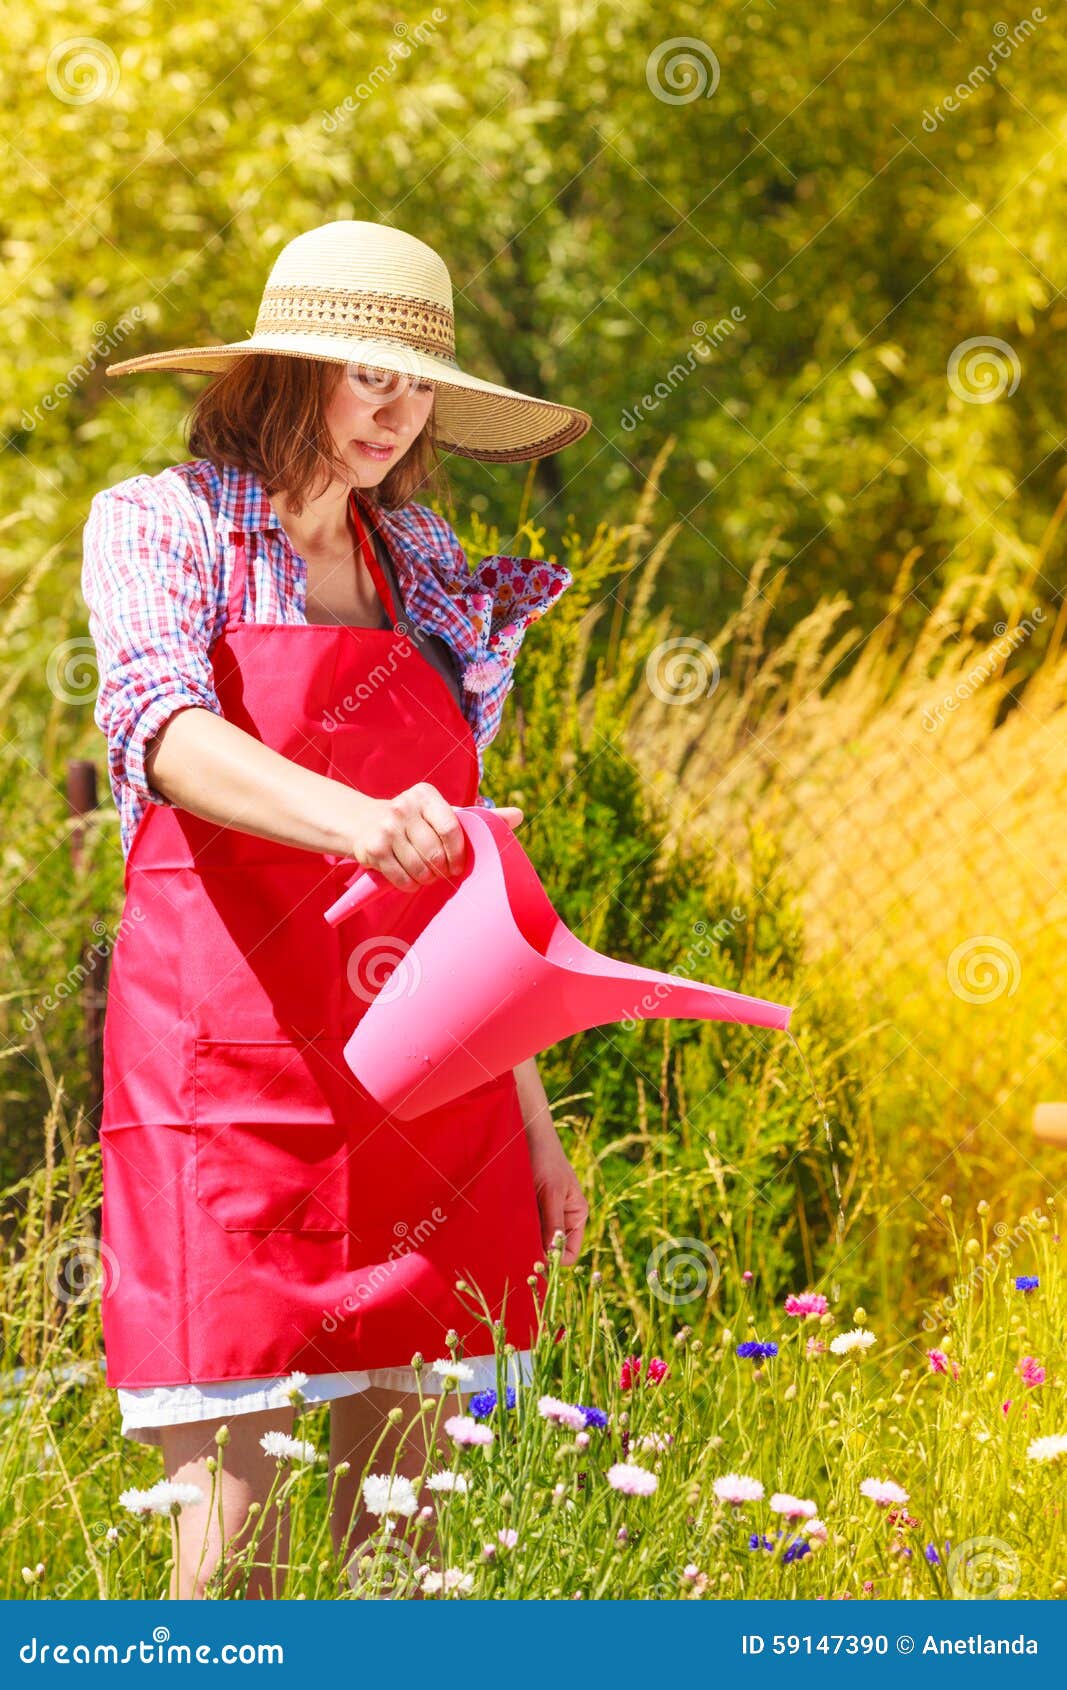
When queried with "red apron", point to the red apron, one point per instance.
{"points": [[260, 1212]]}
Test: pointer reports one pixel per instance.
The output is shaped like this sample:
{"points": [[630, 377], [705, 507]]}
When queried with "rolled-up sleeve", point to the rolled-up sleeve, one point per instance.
{"points": [[151, 605]]}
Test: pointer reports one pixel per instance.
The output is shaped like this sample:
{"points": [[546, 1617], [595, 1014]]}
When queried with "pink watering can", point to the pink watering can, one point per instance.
{"points": [[494, 977]]}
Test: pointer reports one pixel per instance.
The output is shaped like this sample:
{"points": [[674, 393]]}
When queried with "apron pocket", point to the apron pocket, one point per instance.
{"points": [[272, 1126]]}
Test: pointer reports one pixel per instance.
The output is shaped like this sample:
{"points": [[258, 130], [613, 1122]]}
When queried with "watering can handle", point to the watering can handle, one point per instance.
{"points": [[366, 886]]}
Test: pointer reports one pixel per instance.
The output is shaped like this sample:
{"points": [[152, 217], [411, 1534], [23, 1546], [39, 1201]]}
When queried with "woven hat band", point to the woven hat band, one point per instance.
{"points": [[347, 314]]}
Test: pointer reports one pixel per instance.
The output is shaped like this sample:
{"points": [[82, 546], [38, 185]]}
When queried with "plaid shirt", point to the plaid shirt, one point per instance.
{"points": [[156, 577]]}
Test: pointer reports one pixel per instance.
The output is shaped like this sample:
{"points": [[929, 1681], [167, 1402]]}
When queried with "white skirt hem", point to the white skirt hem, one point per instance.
{"points": [[146, 1408]]}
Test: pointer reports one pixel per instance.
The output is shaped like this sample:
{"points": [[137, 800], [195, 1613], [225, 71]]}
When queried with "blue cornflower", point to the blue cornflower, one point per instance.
{"points": [[593, 1416], [755, 1351], [795, 1551], [484, 1402], [1027, 1282], [932, 1555], [757, 1542]]}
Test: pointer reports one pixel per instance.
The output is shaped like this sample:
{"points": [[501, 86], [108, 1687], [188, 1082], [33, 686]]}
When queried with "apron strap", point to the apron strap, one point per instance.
{"points": [[235, 601], [236, 597], [370, 558]]}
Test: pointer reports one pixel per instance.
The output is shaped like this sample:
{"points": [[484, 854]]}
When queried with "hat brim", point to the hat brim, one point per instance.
{"points": [[474, 418]]}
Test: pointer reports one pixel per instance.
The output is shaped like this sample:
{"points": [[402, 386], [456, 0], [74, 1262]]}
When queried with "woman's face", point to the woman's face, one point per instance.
{"points": [[369, 408]]}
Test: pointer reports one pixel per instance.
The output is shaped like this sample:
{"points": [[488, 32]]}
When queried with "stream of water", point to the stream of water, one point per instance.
{"points": [[835, 1171]]}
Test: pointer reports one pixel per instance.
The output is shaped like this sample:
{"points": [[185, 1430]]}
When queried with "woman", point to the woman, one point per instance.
{"points": [[299, 674]]}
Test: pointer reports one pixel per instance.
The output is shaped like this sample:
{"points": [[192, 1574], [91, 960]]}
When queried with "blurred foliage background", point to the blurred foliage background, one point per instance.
{"points": [[803, 266]]}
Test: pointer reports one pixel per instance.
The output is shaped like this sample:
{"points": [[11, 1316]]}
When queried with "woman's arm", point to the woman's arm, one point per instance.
{"points": [[559, 1196], [148, 581], [218, 771]]}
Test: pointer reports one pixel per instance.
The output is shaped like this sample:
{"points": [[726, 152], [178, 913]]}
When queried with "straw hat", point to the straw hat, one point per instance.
{"points": [[364, 293]]}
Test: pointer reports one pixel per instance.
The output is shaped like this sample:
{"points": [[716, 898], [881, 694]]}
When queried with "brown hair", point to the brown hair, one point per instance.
{"points": [[267, 413]]}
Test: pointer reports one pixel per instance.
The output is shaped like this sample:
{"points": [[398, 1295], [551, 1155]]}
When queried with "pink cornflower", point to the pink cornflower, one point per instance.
{"points": [[508, 1537], [562, 1413], [482, 674], [632, 1480], [940, 1363], [814, 1347], [901, 1517], [735, 1488], [1030, 1371], [807, 1304], [631, 1369], [883, 1491], [793, 1507], [463, 1429]]}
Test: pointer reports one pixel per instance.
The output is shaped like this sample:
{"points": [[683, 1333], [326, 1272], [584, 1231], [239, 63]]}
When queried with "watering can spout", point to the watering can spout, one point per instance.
{"points": [[494, 977]]}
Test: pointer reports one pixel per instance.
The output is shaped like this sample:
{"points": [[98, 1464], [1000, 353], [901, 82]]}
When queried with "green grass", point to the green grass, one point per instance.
{"points": [[812, 1426]]}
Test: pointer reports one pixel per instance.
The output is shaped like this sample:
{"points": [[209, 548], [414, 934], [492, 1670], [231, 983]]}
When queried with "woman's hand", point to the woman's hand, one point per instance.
{"points": [[559, 1196], [413, 838]]}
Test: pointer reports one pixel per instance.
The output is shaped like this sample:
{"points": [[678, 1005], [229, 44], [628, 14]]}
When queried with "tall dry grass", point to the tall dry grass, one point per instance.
{"points": [[916, 782]]}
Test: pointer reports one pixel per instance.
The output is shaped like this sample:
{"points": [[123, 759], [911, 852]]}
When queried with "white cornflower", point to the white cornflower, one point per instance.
{"points": [[659, 1441], [448, 1368], [285, 1448], [451, 1579], [1047, 1449], [293, 1386], [161, 1498], [736, 1489], [389, 1493], [849, 1343], [448, 1481]]}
